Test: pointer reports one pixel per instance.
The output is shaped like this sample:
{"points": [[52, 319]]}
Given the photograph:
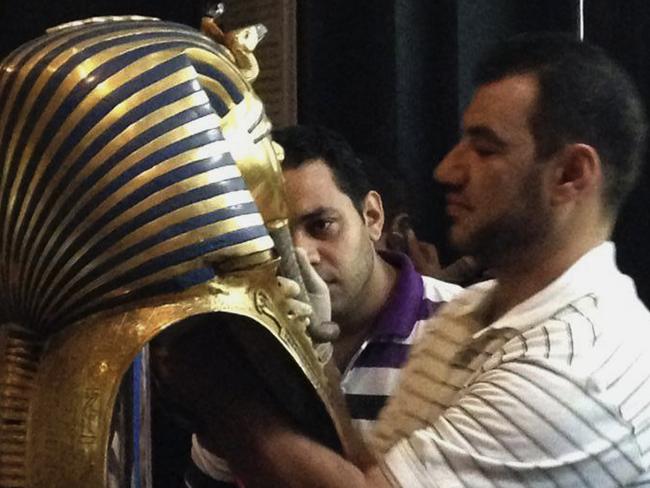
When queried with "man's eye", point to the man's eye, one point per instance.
{"points": [[322, 227], [485, 152]]}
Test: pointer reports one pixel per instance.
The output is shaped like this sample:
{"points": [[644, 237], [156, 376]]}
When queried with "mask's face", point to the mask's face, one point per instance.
{"points": [[247, 130], [245, 127]]}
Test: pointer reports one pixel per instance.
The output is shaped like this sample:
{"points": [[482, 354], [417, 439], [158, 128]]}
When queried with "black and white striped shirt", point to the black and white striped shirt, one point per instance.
{"points": [[556, 393], [373, 373]]}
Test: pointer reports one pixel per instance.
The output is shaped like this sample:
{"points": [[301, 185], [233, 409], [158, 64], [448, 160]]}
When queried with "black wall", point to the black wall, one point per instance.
{"points": [[623, 29], [22, 20]]}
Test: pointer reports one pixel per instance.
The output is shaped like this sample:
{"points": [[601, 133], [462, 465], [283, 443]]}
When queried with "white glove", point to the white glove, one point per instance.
{"points": [[319, 294], [320, 328]]}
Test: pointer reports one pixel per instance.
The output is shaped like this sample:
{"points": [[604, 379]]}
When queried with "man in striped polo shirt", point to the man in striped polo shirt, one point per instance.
{"points": [[377, 298], [540, 378]]}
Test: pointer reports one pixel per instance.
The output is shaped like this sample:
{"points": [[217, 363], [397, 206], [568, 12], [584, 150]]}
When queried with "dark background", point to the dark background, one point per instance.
{"points": [[394, 76]]}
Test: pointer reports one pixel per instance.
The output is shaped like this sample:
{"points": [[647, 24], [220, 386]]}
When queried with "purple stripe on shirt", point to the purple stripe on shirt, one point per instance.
{"points": [[401, 311], [383, 355]]}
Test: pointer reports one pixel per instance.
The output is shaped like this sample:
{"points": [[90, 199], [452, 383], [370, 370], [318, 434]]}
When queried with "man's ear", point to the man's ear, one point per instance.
{"points": [[373, 214], [577, 173]]}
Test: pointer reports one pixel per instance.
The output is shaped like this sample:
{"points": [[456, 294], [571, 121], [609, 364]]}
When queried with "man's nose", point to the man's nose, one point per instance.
{"points": [[308, 244], [450, 171]]}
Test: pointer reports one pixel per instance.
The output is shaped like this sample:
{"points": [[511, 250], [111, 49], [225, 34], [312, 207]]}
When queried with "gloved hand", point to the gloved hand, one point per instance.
{"points": [[321, 329], [319, 325]]}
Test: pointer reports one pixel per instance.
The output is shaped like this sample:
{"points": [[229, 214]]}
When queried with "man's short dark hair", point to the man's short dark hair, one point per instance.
{"points": [[584, 97], [304, 143]]}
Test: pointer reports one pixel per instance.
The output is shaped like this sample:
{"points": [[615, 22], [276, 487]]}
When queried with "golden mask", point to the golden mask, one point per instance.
{"points": [[123, 211]]}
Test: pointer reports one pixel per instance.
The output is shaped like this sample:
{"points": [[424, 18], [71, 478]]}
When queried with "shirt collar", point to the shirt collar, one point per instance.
{"points": [[404, 305], [588, 275]]}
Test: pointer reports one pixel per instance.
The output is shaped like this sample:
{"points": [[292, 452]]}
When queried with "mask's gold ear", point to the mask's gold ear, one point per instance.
{"points": [[373, 214], [577, 173]]}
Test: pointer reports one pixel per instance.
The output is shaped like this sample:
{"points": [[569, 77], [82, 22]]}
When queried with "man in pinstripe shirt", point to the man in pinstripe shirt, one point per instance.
{"points": [[539, 378]]}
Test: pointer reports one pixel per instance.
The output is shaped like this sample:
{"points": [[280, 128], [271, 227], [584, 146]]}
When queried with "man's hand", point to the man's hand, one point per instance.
{"points": [[423, 254], [401, 237], [237, 418]]}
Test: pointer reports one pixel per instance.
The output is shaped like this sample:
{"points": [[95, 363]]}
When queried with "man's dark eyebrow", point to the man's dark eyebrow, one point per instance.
{"points": [[314, 214], [484, 133]]}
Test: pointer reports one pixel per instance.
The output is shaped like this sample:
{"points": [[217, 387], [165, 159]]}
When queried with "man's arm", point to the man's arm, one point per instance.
{"points": [[236, 418], [527, 423], [265, 450]]}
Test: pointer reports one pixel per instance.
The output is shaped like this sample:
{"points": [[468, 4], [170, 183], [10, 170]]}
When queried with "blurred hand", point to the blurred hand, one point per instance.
{"points": [[423, 254], [317, 290], [465, 270], [401, 238]]}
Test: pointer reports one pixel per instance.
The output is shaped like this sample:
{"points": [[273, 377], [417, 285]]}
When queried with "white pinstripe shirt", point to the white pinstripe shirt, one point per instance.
{"points": [[556, 393]]}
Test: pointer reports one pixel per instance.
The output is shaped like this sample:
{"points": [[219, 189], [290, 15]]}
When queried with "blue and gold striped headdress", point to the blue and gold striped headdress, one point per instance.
{"points": [[117, 182]]}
